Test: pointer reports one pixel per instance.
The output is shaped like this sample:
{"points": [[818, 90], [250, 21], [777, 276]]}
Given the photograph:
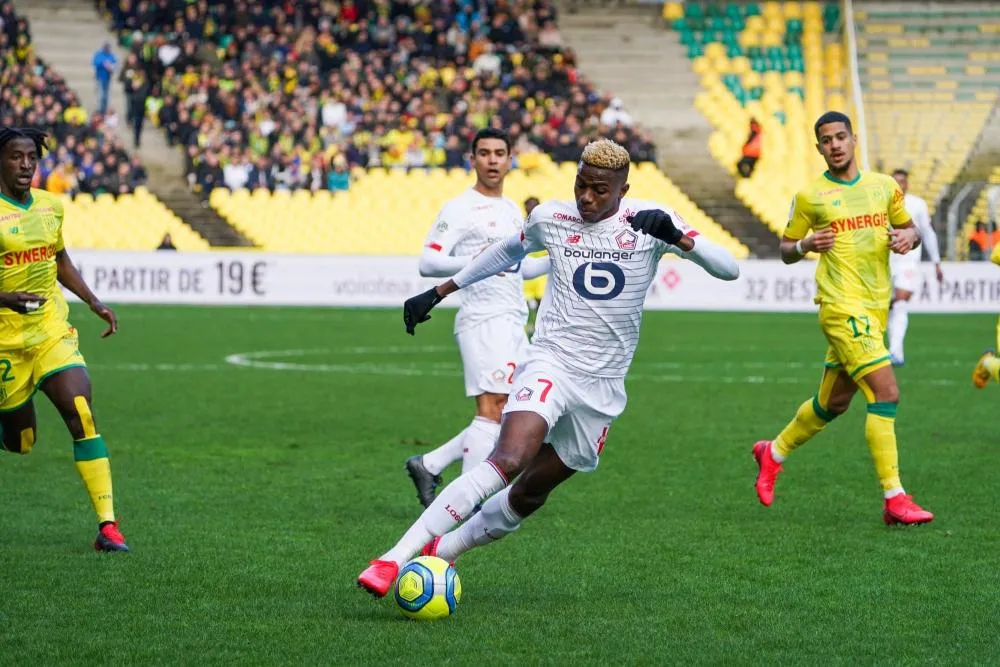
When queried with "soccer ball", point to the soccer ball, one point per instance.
{"points": [[427, 589]]}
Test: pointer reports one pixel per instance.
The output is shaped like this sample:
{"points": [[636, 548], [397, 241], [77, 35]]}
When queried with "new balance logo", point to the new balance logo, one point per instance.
{"points": [[573, 238]]}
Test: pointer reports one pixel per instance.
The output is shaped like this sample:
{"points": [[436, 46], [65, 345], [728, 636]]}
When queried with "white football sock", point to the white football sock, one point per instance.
{"points": [[452, 506], [899, 319], [438, 459], [495, 520], [480, 437], [890, 493]]}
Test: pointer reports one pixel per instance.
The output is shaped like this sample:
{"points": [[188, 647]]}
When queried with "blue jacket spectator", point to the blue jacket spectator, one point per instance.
{"points": [[104, 63]]}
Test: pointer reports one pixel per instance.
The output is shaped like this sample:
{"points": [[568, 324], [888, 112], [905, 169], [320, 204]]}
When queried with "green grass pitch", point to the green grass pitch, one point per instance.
{"points": [[253, 490]]}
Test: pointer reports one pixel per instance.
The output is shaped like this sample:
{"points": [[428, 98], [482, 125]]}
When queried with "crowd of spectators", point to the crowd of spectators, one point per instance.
{"points": [[294, 94], [86, 154]]}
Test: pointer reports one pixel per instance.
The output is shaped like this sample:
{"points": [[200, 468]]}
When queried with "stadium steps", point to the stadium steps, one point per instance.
{"points": [[625, 50], [202, 218], [66, 33]]}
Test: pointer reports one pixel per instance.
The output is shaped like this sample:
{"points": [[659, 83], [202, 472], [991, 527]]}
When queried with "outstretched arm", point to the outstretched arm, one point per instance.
{"points": [[498, 257], [436, 264], [71, 279], [680, 240], [716, 260], [532, 267]]}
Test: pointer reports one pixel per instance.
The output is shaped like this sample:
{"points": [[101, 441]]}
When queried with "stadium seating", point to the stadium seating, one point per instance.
{"points": [[134, 221], [930, 77], [388, 212], [114, 211], [776, 62], [321, 91], [32, 94]]}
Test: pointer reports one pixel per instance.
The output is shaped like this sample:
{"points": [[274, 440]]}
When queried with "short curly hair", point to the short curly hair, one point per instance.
{"points": [[605, 154]]}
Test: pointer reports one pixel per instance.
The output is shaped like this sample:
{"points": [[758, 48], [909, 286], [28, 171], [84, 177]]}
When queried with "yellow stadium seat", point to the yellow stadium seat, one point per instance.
{"points": [[673, 11], [365, 221], [130, 222]]}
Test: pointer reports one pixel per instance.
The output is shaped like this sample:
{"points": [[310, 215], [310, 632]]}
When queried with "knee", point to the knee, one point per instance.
{"points": [[510, 463], [888, 394], [492, 410], [80, 419], [838, 405], [19, 443]]}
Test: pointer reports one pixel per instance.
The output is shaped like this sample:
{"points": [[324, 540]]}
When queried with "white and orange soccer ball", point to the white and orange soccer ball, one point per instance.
{"points": [[427, 589]]}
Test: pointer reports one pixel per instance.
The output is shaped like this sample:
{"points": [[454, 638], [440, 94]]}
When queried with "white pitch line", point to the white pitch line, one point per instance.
{"points": [[277, 360]]}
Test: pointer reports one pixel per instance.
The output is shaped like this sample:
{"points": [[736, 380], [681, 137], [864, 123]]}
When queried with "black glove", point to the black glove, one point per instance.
{"points": [[657, 224], [415, 308]]}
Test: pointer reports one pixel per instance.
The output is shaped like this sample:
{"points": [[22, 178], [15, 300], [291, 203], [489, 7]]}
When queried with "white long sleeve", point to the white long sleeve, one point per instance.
{"points": [[436, 264], [928, 237], [713, 258], [497, 258], [532, 267]]}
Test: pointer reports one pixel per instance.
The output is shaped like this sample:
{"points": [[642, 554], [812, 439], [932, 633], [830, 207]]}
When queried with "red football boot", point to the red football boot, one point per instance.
{"points": [[378, 577], [901, 510], [768, 473], [431, 549], [109, 538]]}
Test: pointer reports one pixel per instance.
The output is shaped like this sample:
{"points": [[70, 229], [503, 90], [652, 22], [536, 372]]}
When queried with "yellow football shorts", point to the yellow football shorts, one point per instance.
{"points": [[534, 289], [21, 371], [857, 339]]}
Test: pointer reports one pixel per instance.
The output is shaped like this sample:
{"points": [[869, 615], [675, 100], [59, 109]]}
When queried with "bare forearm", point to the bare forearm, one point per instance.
{"points": [[789, 251], [71, 279]]}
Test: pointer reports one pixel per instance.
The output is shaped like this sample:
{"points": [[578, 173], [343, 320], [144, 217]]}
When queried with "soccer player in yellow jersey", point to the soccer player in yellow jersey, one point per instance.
{"points": [[988, 367], [857, 219], [38, 347]]}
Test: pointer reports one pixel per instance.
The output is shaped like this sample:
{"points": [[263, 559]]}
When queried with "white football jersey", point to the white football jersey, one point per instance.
{"points": [[920, 214], [466, 226], [590, 316]]}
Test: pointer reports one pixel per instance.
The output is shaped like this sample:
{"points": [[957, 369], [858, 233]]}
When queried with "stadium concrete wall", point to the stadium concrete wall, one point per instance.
{"points": [[265, 279]]}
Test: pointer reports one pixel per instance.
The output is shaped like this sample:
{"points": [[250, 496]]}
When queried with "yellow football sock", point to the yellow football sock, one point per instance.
{"points": [[992, 364], [880, 430], [809, 420], [92, 463]]}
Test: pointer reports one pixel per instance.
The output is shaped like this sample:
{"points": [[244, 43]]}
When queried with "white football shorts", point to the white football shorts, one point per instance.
{"points": [[905, 270], [490, 354], [578, 408]]}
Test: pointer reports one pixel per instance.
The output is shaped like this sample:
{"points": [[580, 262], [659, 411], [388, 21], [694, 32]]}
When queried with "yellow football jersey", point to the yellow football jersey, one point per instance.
{"points": [[855, 272], [30, 237]]}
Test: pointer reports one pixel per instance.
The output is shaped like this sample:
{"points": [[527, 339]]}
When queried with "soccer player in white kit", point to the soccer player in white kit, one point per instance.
{"points": [[570, 386], [490, 324], [905, 269]]}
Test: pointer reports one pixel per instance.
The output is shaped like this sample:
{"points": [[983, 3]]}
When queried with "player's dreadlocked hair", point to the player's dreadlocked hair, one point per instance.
{"points": [[605, 154], [8, 134]]}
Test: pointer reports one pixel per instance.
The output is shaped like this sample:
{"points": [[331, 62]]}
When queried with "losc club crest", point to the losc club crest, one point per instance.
{"points": [[523, 394], [626, 239]]}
